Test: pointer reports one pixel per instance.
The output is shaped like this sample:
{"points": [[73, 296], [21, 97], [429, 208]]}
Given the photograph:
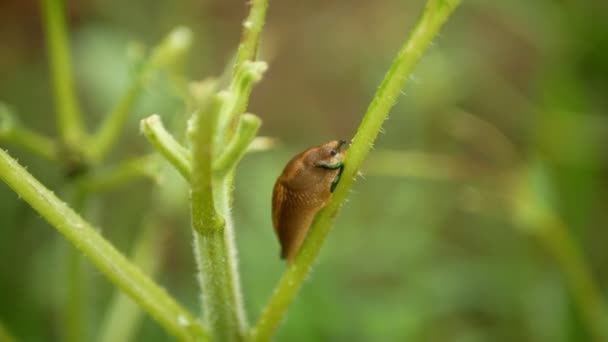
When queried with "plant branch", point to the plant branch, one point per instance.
{"points": [[100, 252], [68, 112], [237, 97], [11, 130], [435, 14], [535, 217], [221, 306], [232, 154], [123, 315], [204, 214], [252, 28], [175, 45], [165, 143], [118, 175]]}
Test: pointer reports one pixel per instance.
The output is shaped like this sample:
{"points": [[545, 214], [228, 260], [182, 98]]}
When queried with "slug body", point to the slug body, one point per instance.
{"points": [[304, 187]]}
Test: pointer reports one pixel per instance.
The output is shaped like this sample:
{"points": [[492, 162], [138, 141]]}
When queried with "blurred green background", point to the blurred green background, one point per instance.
{"points": [[426, 248]]}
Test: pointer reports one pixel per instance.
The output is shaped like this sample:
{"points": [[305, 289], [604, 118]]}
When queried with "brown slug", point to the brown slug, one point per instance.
{"points": [[304, 187]]}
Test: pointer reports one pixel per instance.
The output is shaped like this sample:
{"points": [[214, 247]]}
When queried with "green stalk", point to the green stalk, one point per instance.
{"points": [[68, 113], [101, 253], [168, 51], [154, 130], [114, 177], [216, 257], [535, 217], [13, 131], [123, 316], [435, 14], [252, 28]]}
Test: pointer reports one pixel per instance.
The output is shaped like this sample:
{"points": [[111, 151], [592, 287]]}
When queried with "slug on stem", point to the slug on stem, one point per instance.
{"points": [[304, 187]]}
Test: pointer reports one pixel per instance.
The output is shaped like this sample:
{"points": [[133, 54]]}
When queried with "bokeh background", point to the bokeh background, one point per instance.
{"points": [[426, 249]]}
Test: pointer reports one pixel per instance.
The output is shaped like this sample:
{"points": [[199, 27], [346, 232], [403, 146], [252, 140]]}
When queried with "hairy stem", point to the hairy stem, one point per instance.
{"points": [[215, 258], [252, 28], [232, 154], [165, 143], [100, 252], [435, 14], [68, 113]]}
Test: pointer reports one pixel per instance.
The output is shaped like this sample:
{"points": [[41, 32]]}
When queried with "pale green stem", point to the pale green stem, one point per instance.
{"points": [[12, 131], [123, 316], [536, 218], [170, 49], [435, 14], [252, 28], [260, 144], [101, 253], [165, 143], [66, 105], [237, 97], [119, 175], [214, 254], [232, 154]]}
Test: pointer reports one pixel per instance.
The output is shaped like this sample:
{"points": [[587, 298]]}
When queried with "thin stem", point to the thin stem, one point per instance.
{"points": [[435, 14], [68, 113], [13, 131], [535, 217], [118, 175], [252, 28], [100, 252], [245, 133], [165, 143], [237, 97], [169, 50], [123, 315]]}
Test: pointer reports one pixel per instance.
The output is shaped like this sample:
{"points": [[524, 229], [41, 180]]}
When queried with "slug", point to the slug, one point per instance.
{"points": [[304, 187]]}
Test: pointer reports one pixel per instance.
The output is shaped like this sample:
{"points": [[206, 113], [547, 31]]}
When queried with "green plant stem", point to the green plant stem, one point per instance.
{"points": [[123, 315], [66, 105], [174, 46], [165, 143], [119, 175], [112, 263], [232, 154], [535, 217], [252, 28], [222, 307], [237, 97], [435, 14]]}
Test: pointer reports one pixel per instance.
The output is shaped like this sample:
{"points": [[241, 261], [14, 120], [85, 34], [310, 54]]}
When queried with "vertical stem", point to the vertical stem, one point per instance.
{"points": [[435, 14], [214, 249], [252, 28], [68, 113]]}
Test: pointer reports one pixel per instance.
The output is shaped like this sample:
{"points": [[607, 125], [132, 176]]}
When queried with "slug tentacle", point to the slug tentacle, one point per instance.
{"points": [[304, 187]]}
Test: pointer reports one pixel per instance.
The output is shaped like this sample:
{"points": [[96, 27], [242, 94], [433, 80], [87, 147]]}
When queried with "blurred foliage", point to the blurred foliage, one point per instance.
{"points": [[424, 250]]}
